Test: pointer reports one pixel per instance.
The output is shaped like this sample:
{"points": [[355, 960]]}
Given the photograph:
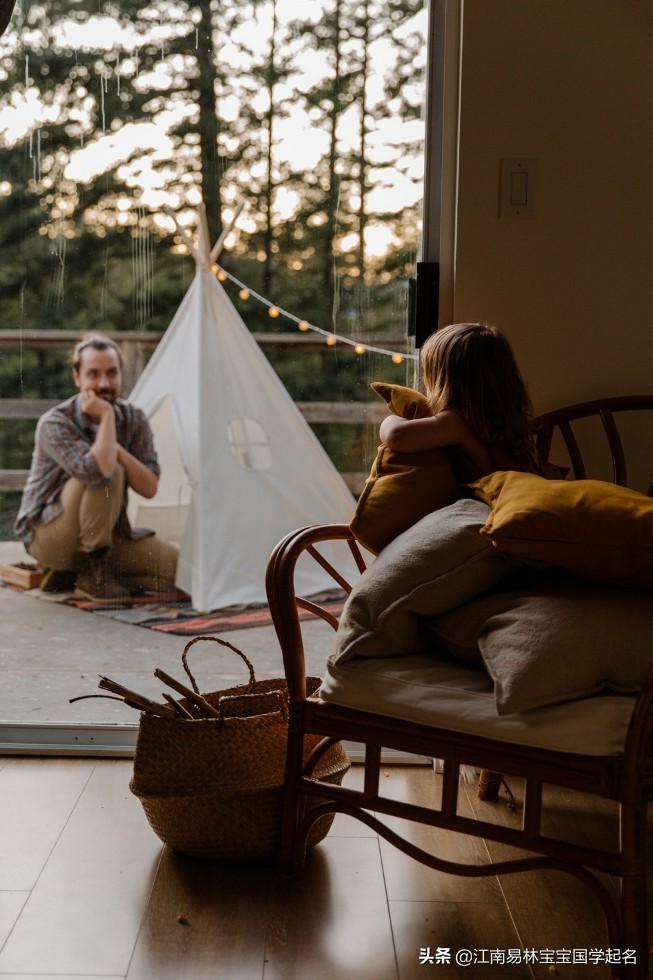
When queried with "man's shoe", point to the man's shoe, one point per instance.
{"points": [[151, 584], [96, 578], [58, 581]]}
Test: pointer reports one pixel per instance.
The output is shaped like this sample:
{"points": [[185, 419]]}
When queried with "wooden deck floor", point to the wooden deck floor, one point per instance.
{"points": [[50, 652], [87, 891]]}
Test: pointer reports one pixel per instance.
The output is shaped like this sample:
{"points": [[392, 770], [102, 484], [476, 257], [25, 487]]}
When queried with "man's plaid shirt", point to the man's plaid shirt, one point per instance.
{"points": [[64, 436]]}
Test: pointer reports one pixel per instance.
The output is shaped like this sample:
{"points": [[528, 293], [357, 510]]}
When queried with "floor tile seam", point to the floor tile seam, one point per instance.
{"points": [[46, 861], [450, 901], [268, 920], [146, 906], [387, 902], [20, 912], [499, 882], [354, 836]]}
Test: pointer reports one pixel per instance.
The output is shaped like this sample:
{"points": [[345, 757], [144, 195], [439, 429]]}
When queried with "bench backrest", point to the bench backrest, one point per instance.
{"points": [[544, 427]]}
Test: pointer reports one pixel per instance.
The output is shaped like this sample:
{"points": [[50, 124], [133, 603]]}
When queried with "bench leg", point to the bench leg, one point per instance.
{"points": [[634, 917], [291, 855]]}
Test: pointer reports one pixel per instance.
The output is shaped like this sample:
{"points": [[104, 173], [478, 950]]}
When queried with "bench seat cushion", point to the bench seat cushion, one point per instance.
{"points": [[429, 690]]}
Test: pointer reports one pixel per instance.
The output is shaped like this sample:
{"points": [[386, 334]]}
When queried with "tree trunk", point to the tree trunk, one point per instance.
{"points": [[269, 189], [362, 164], [332, 193], [6, 10], [208, 122]]}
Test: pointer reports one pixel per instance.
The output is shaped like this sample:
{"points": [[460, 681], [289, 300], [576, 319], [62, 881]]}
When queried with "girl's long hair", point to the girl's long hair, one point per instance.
{"points": [[471, 369]]}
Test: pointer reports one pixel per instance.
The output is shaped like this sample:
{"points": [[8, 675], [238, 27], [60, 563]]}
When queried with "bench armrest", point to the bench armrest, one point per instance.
{"points": [[282, 599]]}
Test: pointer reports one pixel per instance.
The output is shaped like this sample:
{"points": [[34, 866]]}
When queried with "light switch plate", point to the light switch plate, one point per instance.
{"points": [[517, 187]]}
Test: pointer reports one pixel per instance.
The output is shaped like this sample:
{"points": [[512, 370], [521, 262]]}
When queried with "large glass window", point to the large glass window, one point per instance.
{"points": [[310, 114]]}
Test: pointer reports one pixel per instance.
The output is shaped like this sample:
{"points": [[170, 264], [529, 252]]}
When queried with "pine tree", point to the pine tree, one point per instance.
{"points": [[70, 229], [262, 82], [327, 101]]}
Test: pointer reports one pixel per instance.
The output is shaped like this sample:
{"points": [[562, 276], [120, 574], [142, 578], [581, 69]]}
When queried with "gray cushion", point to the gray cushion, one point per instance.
{"points": [[429, 690], [549, 644], [434, 566]]}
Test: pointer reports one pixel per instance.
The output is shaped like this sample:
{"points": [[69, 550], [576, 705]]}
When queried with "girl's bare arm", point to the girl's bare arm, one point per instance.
{"points": [[444, 429], [418, 435]]}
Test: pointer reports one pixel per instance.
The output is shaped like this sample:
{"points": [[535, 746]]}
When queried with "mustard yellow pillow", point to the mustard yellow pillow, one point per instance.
{"points": [[595, 530], [406, 402], [402, 487]]}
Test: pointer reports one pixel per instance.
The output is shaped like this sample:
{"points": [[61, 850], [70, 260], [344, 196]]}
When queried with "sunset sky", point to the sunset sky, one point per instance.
{"points": [[297, 138]]}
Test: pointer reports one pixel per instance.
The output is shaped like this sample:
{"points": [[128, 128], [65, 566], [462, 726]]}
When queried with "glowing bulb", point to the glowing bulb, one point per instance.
{"points": [[360, 348], [331, 341], [397, 359], [303, 326], [222, 275], [274, 312], [215, 268], [244, 294]]}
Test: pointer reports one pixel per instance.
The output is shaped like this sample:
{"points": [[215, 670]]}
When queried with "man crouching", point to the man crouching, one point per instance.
{"points": [[88, 450]]}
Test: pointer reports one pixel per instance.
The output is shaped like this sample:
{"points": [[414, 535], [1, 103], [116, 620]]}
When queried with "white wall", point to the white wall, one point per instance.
{"points": [[568, 82]]}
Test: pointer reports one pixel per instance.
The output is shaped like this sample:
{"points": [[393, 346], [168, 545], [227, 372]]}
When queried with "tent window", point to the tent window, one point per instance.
{"points": [[249, 444]]}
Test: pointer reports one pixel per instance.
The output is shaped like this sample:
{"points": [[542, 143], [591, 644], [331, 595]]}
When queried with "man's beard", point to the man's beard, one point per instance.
{"points": [[107, 396]]}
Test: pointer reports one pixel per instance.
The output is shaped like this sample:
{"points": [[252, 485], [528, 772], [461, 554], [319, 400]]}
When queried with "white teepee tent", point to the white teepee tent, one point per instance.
{"points": [[240, 466]]}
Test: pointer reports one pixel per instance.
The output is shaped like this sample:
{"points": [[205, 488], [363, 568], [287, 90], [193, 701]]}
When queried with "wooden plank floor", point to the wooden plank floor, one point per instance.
{"points": [[87, 891]]}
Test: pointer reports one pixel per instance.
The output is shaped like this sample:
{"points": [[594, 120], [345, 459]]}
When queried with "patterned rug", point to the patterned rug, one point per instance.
{"points": [[174, 614]]}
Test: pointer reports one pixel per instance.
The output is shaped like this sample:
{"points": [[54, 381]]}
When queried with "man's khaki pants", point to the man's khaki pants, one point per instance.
{"points": [[87, 524]]}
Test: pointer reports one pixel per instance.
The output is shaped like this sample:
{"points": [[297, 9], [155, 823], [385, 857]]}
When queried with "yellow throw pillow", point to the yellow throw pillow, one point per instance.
{"points": [[406, 402], [595, 530], [402, 487]]}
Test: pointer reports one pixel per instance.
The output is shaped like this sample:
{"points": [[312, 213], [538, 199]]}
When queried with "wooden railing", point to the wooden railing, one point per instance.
{"points": [[134, 344]]}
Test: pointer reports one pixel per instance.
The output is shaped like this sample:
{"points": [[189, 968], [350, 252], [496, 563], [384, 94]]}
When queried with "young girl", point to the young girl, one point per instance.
{"points": [[481, 413], [481, 409]]}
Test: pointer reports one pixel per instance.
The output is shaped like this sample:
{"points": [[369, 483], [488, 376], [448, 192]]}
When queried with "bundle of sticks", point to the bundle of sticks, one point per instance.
{"points": [[195, 707]]}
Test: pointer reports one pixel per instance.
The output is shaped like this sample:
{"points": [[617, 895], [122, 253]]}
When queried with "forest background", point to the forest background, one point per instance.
{"points": [[310, 112]]}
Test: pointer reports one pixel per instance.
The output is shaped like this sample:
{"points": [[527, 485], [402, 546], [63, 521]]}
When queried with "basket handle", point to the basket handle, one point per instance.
{"points": [[197, 639], [261, 704]]}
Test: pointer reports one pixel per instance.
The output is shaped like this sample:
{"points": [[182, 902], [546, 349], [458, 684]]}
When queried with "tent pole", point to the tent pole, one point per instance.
{"points": [[204, 240], [217, 248], [187, 240]]}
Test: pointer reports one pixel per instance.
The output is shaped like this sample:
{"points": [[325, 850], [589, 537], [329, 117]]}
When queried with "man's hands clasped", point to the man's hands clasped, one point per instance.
{"points": [[93, 406]]}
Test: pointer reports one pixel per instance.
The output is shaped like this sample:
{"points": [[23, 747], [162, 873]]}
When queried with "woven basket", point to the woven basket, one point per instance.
{"points": [[212, 788]]}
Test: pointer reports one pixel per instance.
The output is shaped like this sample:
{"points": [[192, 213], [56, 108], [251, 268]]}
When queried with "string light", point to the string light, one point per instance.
{"points": [[330, 339]]}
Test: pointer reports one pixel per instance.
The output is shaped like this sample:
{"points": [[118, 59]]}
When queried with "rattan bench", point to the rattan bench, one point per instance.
{"points": [[623, 774]]}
